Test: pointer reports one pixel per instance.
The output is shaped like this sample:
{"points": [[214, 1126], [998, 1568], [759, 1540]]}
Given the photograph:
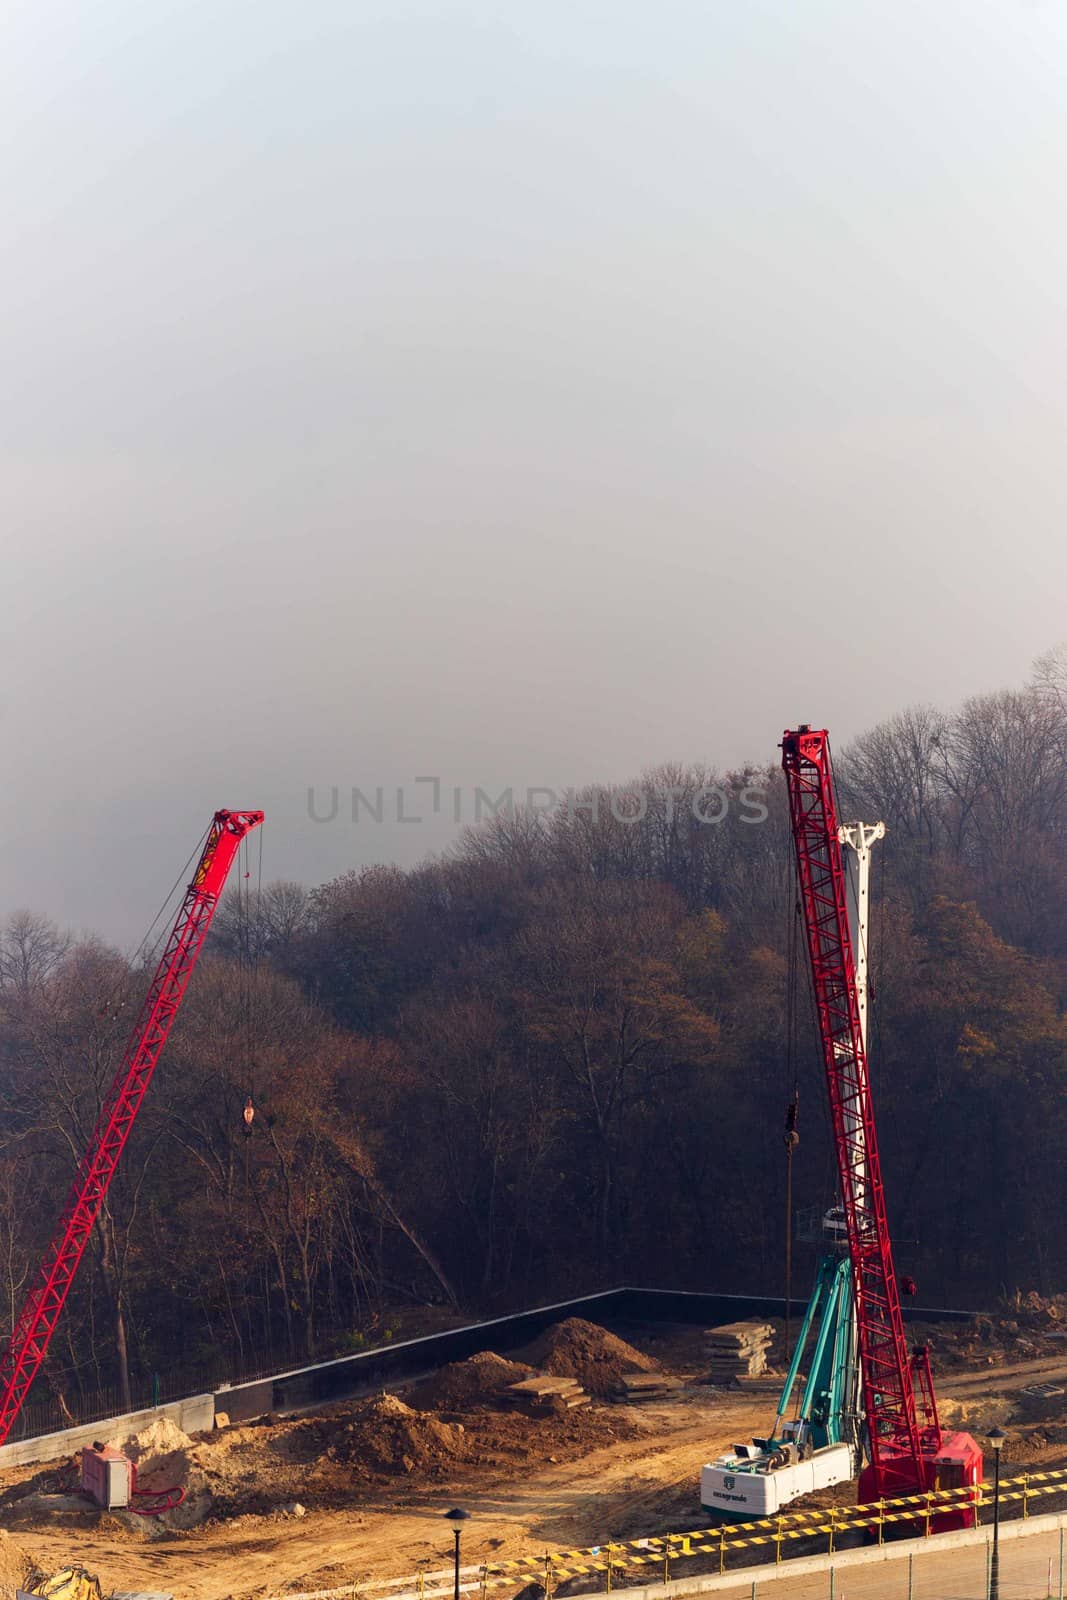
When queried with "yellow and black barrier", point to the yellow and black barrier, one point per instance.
{"points": [[662, 1550]]}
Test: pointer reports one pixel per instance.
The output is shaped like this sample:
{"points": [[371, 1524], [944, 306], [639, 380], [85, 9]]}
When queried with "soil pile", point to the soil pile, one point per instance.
{"points": [[1034, 1310], [384, 1436], [166, 1458], [478, 1384], [582, 1350], [161, 1436], [976, 1415], [250, 1470], [15, 1566], [1024, 1327]]}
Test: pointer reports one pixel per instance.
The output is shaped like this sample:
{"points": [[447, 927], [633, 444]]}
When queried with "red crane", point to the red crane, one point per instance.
{"points": [[41, 1309], [906, 1447]]}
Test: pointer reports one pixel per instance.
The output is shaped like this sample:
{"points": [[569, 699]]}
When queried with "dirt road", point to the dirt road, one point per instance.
{"points": [[1004, 1378], [643, 1481], [629, 1489]]}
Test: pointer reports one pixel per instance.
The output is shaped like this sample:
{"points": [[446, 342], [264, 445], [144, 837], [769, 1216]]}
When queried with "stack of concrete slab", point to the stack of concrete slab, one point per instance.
{"points": [[737, 1350], [539, 1395], [646, 1386]]}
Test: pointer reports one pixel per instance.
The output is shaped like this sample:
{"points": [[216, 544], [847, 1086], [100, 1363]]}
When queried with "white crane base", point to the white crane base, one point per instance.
{"points": [[736, 1487]]}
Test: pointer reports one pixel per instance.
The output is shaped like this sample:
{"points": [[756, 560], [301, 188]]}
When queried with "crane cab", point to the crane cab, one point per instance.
{"points": [[956, 1464]]}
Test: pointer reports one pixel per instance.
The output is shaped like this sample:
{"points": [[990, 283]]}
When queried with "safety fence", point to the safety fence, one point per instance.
{"points": [[660, 1557], [54, 1415], [671, 1558], [1032, 1566]]}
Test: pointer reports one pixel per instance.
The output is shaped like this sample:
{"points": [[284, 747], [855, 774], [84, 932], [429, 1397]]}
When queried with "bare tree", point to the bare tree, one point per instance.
{"points": [[31, 947], [253, 925], [895, 774], [1050, 677]]}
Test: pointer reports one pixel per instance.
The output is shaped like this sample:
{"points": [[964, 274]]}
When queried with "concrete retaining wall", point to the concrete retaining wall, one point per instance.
{"points": [[193, 1415], [363, 1373], [367, 1371]]}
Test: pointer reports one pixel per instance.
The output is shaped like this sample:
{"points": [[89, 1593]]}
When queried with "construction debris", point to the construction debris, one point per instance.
{"points": [[737, 1350]]}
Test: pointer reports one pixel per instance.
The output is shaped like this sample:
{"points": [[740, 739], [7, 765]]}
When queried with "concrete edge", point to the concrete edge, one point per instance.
{"points": [[196, 1414]]}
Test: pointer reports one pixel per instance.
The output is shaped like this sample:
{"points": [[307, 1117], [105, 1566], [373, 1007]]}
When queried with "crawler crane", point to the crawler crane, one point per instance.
{"points": [[36, 1321], [907, 1450], [819, 1444]]}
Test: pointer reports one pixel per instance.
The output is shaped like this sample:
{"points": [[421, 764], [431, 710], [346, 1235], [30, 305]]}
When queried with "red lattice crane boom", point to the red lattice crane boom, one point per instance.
{"points": [[907, 1451], [36, 1322]]}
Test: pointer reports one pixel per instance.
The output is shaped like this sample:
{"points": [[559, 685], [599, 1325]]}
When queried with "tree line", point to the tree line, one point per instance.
{"points": [[558, 1058]]}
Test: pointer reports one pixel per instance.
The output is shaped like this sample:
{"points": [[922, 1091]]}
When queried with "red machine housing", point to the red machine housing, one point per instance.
{"points": [[111, 1478], [906, 1447], [35, 1323]]}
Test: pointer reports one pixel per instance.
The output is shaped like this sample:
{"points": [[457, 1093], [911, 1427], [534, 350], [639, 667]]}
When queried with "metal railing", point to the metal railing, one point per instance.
{"points": [[622, 1563], [1032, 1566], [80, 1408]]}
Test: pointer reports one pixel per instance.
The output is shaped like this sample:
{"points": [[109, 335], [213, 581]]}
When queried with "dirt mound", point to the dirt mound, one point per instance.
{"points": [[582, 1350], [473, 1385], [15, 1566], [357, 1451], [167, 1458], [384, 1437], [976, 1415], [159, 1438], [1024, 1327]]}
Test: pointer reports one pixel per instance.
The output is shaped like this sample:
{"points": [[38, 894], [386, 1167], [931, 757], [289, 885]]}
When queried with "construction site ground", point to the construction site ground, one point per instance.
{"points": [[357, 1490]]}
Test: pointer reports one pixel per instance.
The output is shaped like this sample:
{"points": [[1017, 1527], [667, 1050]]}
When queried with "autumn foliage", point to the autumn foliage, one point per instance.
{"points": [[558, 1059]]}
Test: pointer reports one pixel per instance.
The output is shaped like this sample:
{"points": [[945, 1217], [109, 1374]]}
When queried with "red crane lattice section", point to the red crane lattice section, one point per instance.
{"points": [[41, 1309], [898, 1444]]}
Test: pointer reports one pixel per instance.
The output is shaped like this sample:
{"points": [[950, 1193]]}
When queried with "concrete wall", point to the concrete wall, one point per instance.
{"points": [[193, 1415], [370, 1370]]}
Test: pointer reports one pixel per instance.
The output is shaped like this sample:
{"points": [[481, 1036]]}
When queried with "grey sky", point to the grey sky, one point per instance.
{"points": [[521, 394]]}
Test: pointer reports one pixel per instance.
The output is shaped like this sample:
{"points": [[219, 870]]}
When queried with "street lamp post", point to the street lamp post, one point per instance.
{"points": [[456, 1517], [996, 1439]]}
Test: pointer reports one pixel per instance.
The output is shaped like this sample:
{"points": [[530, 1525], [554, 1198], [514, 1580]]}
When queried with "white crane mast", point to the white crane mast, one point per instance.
{"points": [[860, 838]]}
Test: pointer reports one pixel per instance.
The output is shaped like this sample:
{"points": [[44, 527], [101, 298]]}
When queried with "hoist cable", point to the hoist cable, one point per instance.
{"points": [[143, 954], [182, 877], [250, 952], [792, 1138]]}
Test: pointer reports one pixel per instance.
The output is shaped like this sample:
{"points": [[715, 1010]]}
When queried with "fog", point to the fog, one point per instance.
{"points": [[515, 395]]}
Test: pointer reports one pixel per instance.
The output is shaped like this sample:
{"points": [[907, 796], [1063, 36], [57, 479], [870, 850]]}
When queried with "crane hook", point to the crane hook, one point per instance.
{"points": [[791, 1138]]}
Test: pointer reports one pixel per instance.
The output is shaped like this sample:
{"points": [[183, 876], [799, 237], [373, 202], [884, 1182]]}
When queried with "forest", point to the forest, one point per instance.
{"points": [[558, 1058]]}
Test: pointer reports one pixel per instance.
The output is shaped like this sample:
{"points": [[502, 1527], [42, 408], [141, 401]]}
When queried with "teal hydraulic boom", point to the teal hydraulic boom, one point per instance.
{"points": [[827, 1410]]}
